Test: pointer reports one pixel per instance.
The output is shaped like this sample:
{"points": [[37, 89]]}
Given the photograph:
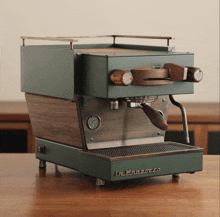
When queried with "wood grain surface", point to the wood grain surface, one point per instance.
{"points": [[176, 71], [155, 117], [140, 74], [28, 191], [55, 119]]}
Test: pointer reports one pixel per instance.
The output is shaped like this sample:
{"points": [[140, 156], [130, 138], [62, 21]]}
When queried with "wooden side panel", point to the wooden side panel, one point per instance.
{"points": [[55, 119]]}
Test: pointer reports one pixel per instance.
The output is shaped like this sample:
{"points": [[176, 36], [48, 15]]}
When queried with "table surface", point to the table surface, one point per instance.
{"points": [[27, 190]]}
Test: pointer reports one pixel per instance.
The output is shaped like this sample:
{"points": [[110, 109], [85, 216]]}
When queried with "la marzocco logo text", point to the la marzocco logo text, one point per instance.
{"points": [[136, 172]]}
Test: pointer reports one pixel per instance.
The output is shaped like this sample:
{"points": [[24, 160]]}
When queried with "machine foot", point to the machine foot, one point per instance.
{"points": [[42, 164], [176, 175], [100, 182], [56, 168]]}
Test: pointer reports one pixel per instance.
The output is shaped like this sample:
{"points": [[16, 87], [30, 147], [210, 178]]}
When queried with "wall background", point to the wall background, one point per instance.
{"points": [[193, 23]]}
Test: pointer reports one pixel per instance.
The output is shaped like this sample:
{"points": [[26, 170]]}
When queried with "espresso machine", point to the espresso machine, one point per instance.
{"points": [[102, 109]]}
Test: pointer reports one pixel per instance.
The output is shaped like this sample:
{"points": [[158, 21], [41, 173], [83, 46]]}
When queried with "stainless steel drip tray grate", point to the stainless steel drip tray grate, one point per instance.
{"points": [[149, 150]]}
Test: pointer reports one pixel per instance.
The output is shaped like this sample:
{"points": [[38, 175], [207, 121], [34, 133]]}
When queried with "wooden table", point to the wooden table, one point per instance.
{"points": [[27, 191]]}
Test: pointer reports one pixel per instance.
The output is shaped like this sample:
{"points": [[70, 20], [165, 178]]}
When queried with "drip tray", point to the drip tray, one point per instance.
{"points": [[123, 163], [139, 151]]}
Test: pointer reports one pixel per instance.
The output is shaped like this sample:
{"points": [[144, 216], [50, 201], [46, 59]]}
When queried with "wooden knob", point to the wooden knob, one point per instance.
{"points": [[155, 117], [194, 74], [121, 77]]}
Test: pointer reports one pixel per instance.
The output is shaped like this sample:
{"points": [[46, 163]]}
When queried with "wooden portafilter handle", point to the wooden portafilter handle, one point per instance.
{"points": [[155, 117]]}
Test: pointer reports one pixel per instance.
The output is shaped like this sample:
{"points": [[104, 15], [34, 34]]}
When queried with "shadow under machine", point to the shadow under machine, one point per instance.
{"points": [[101, 109]]}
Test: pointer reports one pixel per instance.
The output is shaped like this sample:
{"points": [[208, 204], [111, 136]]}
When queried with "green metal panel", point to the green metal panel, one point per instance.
{"points": [[128, 63], [48, 70], [96, 167], [151, 59], [134, 91], [97, 69], [93, 76], [71, 157], [58, 153], [171, 164]]}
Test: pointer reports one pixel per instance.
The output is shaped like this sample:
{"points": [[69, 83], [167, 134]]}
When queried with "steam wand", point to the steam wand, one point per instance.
{"points": [[184, 118]]}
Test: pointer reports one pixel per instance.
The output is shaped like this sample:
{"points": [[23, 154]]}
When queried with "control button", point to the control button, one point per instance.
{"points": [[41, 149]]}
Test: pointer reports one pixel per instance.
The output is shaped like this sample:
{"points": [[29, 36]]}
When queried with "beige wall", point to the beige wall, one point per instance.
{"points": [[193, 23]]}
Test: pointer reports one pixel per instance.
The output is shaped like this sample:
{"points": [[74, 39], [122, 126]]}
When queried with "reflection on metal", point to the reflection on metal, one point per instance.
{"points": [[128, 142], [160, 112], [114, 104], [137, 172], [134, 104], [130, 126], [184, 118], [42, 164], [143, 99], [41, 149], [185, 73], [100, 182], [175, 175]]}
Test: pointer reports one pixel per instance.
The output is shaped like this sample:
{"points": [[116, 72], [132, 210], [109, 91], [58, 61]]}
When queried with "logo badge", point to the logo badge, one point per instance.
{"points": [[136, 172]]}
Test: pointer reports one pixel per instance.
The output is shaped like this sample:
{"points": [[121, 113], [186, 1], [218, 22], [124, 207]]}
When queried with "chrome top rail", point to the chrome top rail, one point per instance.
{"points": [[74, 38]]}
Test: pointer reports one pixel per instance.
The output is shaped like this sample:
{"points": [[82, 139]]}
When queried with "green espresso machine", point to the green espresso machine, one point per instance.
{"points": [[101, 109]]}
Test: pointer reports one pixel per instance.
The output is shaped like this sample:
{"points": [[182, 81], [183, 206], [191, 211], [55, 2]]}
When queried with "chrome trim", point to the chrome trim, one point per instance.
{"points": [[95, 116], [129, 142], [184, 118], [72, 38], [185, 73]]}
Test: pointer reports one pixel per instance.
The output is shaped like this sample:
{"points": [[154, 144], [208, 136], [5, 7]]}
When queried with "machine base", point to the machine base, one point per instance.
{"points": [[114, 164]]}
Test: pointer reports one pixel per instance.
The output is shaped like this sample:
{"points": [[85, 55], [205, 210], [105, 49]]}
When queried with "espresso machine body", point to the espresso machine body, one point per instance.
{"points": [[92, 110]]}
